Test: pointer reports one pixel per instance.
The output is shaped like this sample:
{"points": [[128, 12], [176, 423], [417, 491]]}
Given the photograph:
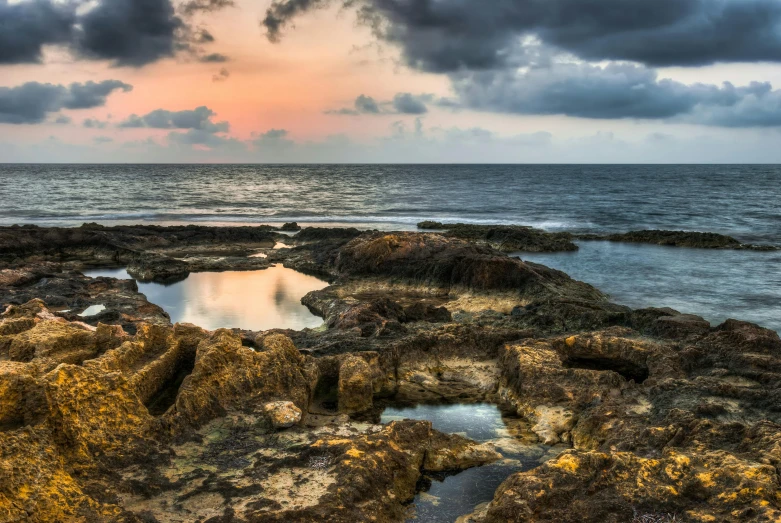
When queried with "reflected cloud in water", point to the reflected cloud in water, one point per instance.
{"points": [[256, 300]]}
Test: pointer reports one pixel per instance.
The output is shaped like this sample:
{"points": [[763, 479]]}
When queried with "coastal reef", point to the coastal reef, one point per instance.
{"points": [[121, 416]]}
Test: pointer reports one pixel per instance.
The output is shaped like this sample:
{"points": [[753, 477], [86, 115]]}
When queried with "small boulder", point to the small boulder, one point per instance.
{"points": [[356, 387], [283, 414], [292, 226]]}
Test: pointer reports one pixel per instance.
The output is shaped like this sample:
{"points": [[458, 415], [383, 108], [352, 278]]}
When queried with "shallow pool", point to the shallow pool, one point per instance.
{"points": [[253, 300], [444, 498]]}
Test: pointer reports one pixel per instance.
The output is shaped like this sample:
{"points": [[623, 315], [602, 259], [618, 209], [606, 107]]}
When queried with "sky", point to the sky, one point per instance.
{"points": [[361, 81]]}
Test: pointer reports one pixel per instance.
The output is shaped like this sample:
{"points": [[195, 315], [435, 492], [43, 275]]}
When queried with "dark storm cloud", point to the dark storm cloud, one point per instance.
{"points": [[129, 32], [31, 102], [124, 32], [199, 119], [447, 35], [27, 26], [616, 91]]}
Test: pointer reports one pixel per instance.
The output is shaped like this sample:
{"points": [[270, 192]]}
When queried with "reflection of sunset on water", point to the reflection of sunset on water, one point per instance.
{"points": [[257, 300]]}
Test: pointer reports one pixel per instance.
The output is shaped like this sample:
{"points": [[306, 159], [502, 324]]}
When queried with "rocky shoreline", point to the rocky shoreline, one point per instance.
{"points": [[122, 416]]}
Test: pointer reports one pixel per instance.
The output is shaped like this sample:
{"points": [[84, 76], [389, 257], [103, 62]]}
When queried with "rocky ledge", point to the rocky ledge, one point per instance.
{"points": [[698, 240], [125, 417]]}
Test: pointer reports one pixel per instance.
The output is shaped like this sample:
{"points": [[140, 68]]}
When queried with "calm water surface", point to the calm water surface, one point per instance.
{"points": [[443, 499], [715, 284], [254, 300]]}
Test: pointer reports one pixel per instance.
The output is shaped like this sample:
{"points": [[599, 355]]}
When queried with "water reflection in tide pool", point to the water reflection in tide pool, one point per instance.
{"points": [[443, 499], [254, 300]]}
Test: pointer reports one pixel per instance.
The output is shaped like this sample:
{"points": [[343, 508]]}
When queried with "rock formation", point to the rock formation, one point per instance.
{"points": [[125, 417]]}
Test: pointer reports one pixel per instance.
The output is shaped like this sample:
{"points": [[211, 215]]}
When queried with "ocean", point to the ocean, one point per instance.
{"points": [[743, 201]]}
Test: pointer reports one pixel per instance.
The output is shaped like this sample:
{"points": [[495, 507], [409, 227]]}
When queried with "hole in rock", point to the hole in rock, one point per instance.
{"points": [[326, 396], [252, 300], [165, 397], [446, 496], [10, 424], [629, 370]]}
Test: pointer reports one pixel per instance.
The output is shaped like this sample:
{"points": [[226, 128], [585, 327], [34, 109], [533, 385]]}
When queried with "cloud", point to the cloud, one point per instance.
{"points": [[221, 76], [102, 139], [129, 32], [402, 103], [91, 123], [31, 102], [367, 105], [91, 94], [448, 35], [275, 139], [616, 91], [194, 6], [25, 27], [281, 12], [406, 103], [202, 137], [199, 119], [63, 120], [363, 105], [214, 58], [124, 32]]}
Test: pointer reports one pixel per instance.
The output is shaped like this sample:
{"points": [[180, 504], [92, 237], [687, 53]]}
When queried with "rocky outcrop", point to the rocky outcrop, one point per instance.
{"points": [[507, 238], [620, 487], [438, 261], [93, 242], [123, 417], [230, 377], [68, 294], [682, 425]]}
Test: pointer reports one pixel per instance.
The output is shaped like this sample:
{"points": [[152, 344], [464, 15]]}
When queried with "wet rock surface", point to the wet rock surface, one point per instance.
{"points": [[122, 416]]}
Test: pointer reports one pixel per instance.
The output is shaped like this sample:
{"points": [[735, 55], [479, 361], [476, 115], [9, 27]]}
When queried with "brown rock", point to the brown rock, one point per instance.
{"points": [[283, 414], [228, 376], [356, 386]]}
